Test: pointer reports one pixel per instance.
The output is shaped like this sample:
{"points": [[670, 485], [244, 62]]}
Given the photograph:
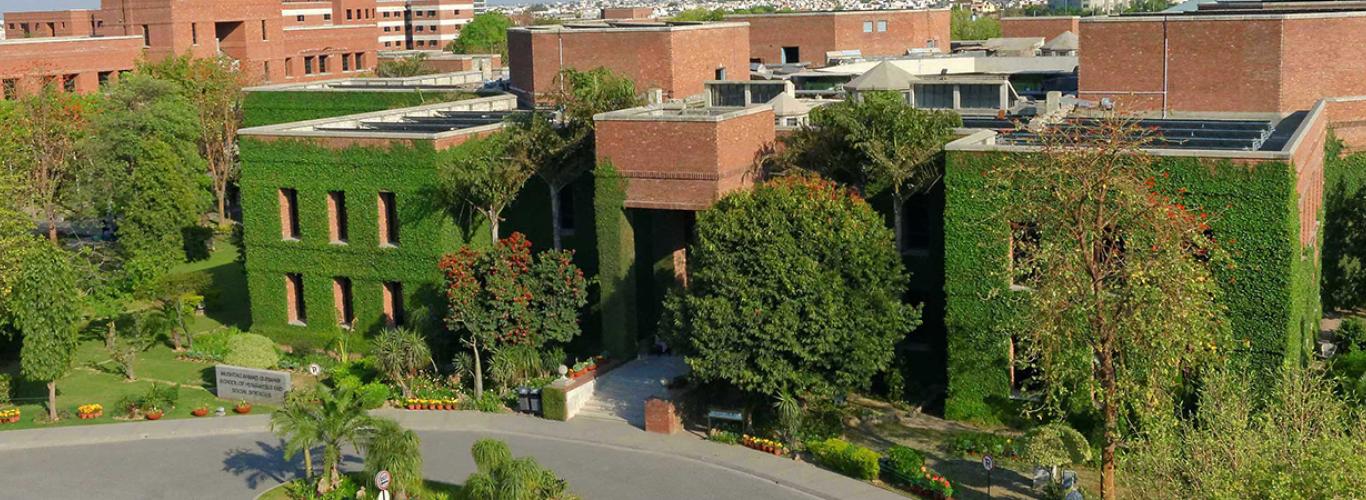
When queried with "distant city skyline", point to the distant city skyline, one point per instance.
{"points": [[31, 5]]}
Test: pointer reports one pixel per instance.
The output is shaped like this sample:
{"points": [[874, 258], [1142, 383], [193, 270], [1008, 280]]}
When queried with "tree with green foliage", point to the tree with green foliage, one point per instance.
{"points": [[42, 135], [145, 146], [559, 151], [1297, 440], [479, 176], [499, 476], [699, 15], [794, 288], [176, 297], [506, 296], [214, 87], [15, 233], [879, 143], [399, 354], [45, 307], [390, 447], [341, 420], [297, 423], [487, 33], [1122, 301], [964, 24], [414, 65]]}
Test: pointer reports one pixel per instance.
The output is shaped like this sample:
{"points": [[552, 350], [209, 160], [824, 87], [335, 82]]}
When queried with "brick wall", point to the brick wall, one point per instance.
{"points": [[628, 13], [49, 24], [1046, 27], [676, 60], [28, 62], [816, 33]]}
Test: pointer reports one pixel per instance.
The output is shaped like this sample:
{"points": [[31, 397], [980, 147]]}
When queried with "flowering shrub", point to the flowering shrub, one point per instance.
{"points": [[94, 410], [721, 436], [985, 443], [9, 416], [761, 444], [432, 404], [931, 484]]}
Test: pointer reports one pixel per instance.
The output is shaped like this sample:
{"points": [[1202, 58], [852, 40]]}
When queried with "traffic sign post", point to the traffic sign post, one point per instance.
{"points": [[382, 479], [988, 464]]}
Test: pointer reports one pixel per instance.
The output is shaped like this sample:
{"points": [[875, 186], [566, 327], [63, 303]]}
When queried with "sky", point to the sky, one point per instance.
{"points": [[24, 5]]}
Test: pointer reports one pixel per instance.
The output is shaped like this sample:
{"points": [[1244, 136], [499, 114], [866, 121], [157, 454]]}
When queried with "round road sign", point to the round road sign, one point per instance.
{"points": [[987, 463], [314, 369], [382, 480]]}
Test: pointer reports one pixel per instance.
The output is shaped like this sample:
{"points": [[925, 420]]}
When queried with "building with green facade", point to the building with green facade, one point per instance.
{"points": [[1262, 182]]}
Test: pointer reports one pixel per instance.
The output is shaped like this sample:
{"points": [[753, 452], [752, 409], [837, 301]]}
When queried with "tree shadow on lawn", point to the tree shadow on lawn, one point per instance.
{"points": [[267, 466], [227, 302]]}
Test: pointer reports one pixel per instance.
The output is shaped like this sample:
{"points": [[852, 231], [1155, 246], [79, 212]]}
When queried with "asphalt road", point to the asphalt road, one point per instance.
{"points": [[243, 465]]}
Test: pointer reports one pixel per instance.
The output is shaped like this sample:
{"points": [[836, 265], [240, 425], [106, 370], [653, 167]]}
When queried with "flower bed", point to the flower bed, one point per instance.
{"points": [[586, 367], [9, 416], [446, 404], [984, 443], [87, 412], [764, 445]]}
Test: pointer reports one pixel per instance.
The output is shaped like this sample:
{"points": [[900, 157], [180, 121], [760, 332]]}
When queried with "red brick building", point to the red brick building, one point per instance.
{"points": [[1046, 27], [422, 24], [809, 36], [77, 64], [1239, 64], [268, 46], [675, 57], [628, 13]]}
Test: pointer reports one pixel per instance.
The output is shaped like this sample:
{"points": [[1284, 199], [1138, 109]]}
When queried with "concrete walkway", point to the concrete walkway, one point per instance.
{"points": [[620, 394], [601, 459]]}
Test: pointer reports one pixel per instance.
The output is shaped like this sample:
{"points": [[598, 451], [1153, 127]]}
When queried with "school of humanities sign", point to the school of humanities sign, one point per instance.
{"points": [[235, 382]]}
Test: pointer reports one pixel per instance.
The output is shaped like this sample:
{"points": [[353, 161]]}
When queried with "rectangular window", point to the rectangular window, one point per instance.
{"points": [[867, 26], [69, 83], [360, 61], [104, 77], [393, 303], [388, 44], [388, 220], [386, 14], [265, 70], [419, 27], [791, 55], [341, 298], [881, 26], [346, 62], [10, 87], [348, 14], [1024, 242], [720, 73], [294, 299], [322, 64], [289, 67], [194, 34], [336, 217], [299, 18], [146, 36], [431, 13], [308, 65], [327, 17], [289, 214], [265, 35]]}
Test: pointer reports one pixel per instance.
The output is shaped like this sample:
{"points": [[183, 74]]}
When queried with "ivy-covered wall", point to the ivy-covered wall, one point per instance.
{"points": [[1344, 229], [1271, 293], [269, 108], [427, 230]]}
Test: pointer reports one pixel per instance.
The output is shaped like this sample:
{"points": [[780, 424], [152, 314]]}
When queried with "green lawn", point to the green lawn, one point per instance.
{"points": [[95, 379]]}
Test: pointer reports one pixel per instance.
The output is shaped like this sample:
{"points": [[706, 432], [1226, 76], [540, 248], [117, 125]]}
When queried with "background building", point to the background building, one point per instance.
{"points": [[812, 37], [1046, 27], [422, 24]]}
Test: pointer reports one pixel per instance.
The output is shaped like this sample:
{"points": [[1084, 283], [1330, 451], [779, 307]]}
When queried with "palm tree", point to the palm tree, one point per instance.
{"points": [[297, 424], [399, 354], [499, 476], [341, 419], [388, 446]]}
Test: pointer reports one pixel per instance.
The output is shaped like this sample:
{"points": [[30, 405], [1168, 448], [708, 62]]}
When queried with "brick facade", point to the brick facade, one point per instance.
{"points": [[49, 23], [78, 64], [675, 58], [1266, 64], [683, 162], [628, 13], [1046, 27], [873, 33], [422, 24]]}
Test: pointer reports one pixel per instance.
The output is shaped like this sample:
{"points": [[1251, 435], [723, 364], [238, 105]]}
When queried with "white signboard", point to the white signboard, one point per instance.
{"points": [[251, 384]]}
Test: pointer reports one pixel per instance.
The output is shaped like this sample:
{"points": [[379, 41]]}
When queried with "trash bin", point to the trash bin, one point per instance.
{"points": [[535, 401], [524, 400]]}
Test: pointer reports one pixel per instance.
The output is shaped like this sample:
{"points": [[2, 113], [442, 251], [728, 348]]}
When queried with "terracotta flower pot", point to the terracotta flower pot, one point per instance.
{"points": [[156, 415], [242, 409], [412, 406], [199, 412]]}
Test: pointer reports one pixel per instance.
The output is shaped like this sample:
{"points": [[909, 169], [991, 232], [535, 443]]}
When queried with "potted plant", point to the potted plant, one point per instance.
{"points": [[242, 407], [200, 411], [9, 416], [153, 413]]}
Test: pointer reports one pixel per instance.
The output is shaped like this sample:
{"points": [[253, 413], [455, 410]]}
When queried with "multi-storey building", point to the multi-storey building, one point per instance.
{"points": [[422, 24], [818, 37]]}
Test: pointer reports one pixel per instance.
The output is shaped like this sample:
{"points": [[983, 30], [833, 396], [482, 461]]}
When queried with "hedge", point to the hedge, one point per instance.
{"points": [[262, 108], [616, 262], [553, 403], [845, 458], [1271, 292]]}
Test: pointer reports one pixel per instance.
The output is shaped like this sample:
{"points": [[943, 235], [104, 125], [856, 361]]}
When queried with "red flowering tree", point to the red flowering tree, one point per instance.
{"points": [[507, 296]]}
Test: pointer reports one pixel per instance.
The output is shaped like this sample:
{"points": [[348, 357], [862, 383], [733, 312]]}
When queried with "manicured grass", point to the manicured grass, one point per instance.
{"points": [[433, 491], [96, 379]]}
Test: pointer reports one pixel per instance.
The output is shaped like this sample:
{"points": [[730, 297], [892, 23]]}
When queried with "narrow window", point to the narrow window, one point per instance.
{"points": [[1024, 242], [867, 26], [567, 212], [69, 83], [360, 61], [104, 77], [265, 70], [308, 65], [322, 64], [336, 216], [393, 303], [388, 220], [146, 36], [346, 62], [348, 14], [265, 35], [720, 73], [341, 298], [294, 299], [289, 214], [194, 34], [289, 67], [11, 88], [1023, 379], [881, 26]]}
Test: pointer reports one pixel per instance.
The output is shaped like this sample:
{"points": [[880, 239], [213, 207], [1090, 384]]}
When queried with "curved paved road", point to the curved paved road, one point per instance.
{"points": [[240, 466], [234, 458]]}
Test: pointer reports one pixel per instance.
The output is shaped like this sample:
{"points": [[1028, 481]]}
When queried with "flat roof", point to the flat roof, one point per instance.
{"points": [[675, 113], [427, 122], [1190, 137], [57, 39], [1227, 15], [1039, 18], [628, 25], [437, 82]]}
